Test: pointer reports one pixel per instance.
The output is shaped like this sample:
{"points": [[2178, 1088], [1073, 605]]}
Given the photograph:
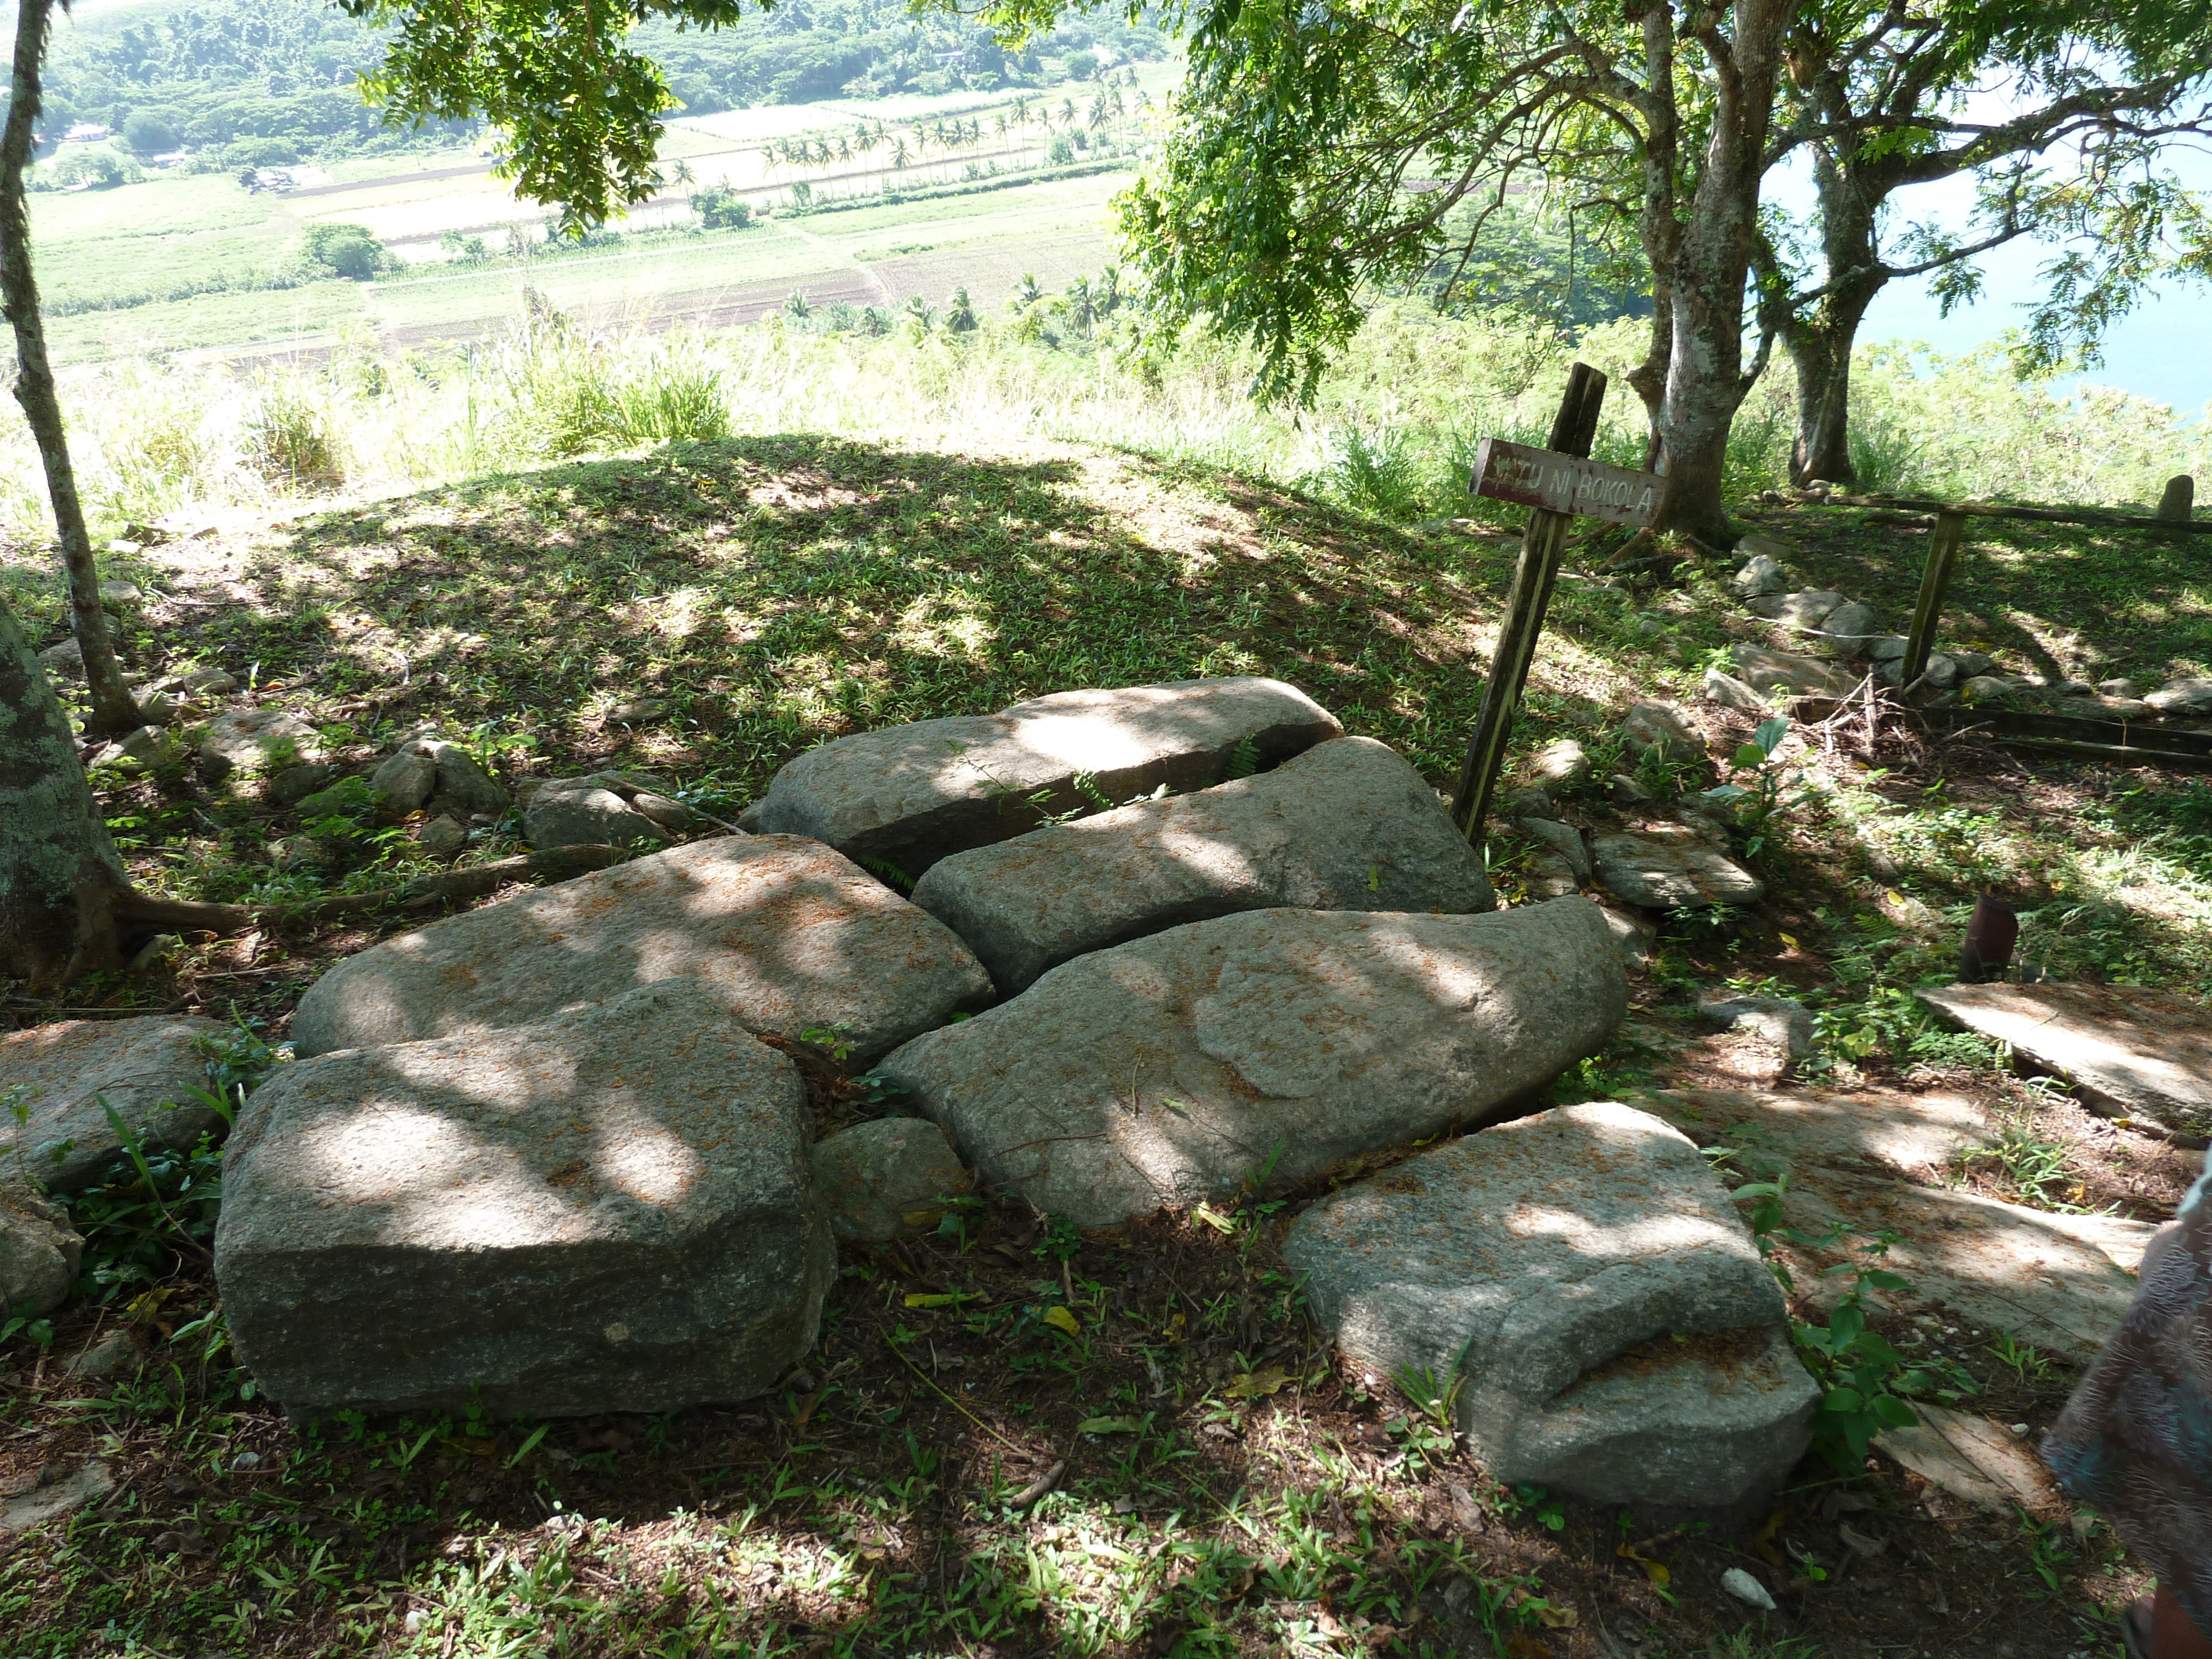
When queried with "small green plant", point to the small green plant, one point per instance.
{"points": [[288, 441], [1060, 1239], [1244, 761], [2025, 1362], [835, 1041], [1761, 804], [152, 1209], [1863, 1379]]}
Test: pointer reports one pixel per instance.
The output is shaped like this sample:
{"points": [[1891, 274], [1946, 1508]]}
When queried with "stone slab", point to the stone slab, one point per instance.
{"points": [[791, 936], [1668, 867], [872, 1176], [1766, 671], [144, 1068], [57, 1498], [1165, 1071], [1585, 1280], [2129, 1051], [904, 798], [1349, 825], [609, 1212]]}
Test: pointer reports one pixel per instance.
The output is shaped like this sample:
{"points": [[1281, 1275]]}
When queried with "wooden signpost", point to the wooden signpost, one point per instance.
{"points": [[1558, 484]]}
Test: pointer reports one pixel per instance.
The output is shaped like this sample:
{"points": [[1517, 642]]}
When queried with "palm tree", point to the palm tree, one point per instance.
{"points": [[1080, 309], [795, 305], [681, 173], [1030, 292], [898, 153], [1067, 109]]}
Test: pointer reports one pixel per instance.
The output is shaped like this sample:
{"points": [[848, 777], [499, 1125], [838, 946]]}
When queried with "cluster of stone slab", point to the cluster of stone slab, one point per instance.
{"points": [[552, 1156]]}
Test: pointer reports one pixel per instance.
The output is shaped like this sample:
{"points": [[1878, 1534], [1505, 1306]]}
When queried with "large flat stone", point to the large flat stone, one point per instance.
{"points": [[1587, 1283], [790, 936], [609, 1211], [1163, 1072], [1877, 1160], [1666, 866], [904, 798], [2129, 1051], [145, 1068], [1349, 825], [1767, 670]]}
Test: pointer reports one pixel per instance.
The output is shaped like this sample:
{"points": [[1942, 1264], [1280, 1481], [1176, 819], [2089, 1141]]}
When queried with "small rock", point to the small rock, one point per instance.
{"points": [[1670, 867], [1783, 1021], [2177, 501], [1528, 802], [1990, 687], [2124, 708], [1940, 672], [583, 812], [65, 661], [1808, 607], [115, 596], [105, 1356], [404, 780], [145, 1068], [1550, 876], [667, 813], [1563, 839], [142, 747], [50, 1502], [2120, 688], [1768, 606], [1972, 663], [1767, 670], [1657, 725], [749, 820], [1624, 791], [1888, 647], [39, 1252], [461, 781], [1851, 628], [872, 1176], [2184, 696], [1746, 1589], [207, 682], [254, 741], [2072, 687], [442, 838], [1633, 936], [1760, 544], [1760, 575], [301, 852], [1730, 692], [159, 708], [294, 784], [1560, 764], [637, 712]]}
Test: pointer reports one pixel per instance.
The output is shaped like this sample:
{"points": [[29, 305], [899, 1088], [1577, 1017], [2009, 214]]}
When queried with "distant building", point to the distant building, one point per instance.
{"points": [[85, 133], [946, 60], [169, 158]]}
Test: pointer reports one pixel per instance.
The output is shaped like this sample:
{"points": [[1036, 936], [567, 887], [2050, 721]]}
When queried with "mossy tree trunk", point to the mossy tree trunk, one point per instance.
{"points": [[60, 880], [113, 706]]}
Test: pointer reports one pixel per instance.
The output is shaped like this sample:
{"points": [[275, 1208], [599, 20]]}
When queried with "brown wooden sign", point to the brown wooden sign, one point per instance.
{"points": [[1553, 482]]}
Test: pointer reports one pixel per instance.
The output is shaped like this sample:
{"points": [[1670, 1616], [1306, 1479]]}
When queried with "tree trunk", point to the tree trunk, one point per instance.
{"points": [[1710, 265], [113, 706], [1820, 344], [60, 879]]}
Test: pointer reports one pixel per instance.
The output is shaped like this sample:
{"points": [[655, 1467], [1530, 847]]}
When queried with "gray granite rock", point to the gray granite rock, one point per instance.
{"points": [[145, 1068], [2183, 696], [904, 798], [208, 683], [1888, 648], [2129, 1051], [585, 813], [1560, 764], [1941, 671], [1758, 544], [2116, 688], [1584, 1280], [1769, 606], [608, 1212], [1807, 607], [1971, 663], [1990, 687], [1563, 839], [442, 838], [1349, 825], [256, 741], [1634, 935], [1660, 726], [462, 784], [1529, 802], [1666, 866], [1760, 574], [1165, 1071], [1624, 791], [1766, 671], [1730, 692], [40, 1251], [1548, 876], [294, 784], [879, 1179], [1783, 1021], [1852, 629], [791, 936], [406, 779]]}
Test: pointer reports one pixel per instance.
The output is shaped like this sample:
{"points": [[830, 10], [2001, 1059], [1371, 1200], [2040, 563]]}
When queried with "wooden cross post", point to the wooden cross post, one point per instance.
{"points": [[1556, 483], [1943, 545]]}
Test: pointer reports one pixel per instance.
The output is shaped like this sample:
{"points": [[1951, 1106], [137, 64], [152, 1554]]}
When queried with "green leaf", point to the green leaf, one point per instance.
{"points": [[1750, 755], [1770, 735], [1894, 1411], [1110, 1425]]}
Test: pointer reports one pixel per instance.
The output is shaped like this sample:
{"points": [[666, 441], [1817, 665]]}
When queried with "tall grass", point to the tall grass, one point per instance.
{"points": [[1392, 433]]}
